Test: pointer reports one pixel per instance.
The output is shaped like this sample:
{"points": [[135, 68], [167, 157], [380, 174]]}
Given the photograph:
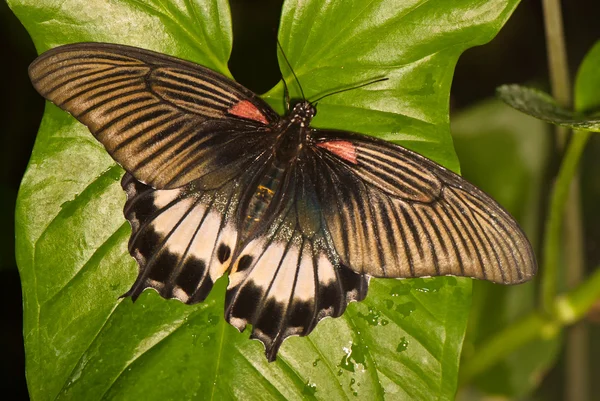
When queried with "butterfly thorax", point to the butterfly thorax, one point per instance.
{"points": [[293, 132], [293, 135]]}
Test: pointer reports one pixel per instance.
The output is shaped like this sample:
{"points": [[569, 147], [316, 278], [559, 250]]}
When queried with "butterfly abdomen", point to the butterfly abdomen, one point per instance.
{"points": [[262, 197]]}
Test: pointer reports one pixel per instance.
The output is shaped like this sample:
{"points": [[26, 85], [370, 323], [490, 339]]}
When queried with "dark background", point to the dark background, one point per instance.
{"points": [[516, 55]]}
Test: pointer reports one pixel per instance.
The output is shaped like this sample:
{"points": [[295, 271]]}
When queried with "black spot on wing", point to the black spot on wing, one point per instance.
{"points": [[246, 300], [202, 291], [162, 265], [355, 285], [191, 273], [144, 244], [270, 318], [223, 253], [244, 263], [329, 299], [301, 315]]}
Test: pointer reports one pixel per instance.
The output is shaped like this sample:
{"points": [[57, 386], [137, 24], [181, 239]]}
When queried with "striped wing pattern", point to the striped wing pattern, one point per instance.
{"points": [[161, 118], [394, 213], [181, 238]]}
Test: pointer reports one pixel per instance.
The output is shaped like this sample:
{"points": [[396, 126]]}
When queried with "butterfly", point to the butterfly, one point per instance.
{"points": [[299, 218]]}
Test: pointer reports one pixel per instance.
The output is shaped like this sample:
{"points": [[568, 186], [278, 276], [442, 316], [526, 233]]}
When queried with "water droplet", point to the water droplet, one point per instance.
{"points": [[340, 372], [309, 388], [384, 322], [213, 319], [427, 284], [354, 356], [372, 318], [389, 303], [403, 345], [354, 392], [316, 362], [346, 364], [406, 308], [400, 289]]}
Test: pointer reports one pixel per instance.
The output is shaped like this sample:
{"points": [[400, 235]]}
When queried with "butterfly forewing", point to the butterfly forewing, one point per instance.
{"points": [[165, 120], [412, 217]]}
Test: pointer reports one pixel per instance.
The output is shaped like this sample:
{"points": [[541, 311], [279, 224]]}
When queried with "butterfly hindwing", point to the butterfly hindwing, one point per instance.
{"points": [[394, 213], [182, 238], [166, 121], [286, 280]]}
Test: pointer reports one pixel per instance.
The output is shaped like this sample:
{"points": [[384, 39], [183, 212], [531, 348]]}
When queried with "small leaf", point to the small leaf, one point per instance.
{"points": [[543, 106], [587, 82]]}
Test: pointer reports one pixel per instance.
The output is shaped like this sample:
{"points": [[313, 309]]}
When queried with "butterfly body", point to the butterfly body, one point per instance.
{"points": [[298, 217], [290, 136]]}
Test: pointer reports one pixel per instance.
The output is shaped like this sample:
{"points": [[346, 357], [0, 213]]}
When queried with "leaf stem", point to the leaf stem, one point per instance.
{"points": [[553, 230], [577, 350], [557, 53], [567, 308]]}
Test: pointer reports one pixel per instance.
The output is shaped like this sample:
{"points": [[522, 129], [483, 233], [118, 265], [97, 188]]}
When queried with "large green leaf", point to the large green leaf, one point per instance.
{"points": [[83, 342]]}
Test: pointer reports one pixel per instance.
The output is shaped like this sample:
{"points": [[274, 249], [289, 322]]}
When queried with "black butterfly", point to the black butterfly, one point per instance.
{"points": [[299, 218]]}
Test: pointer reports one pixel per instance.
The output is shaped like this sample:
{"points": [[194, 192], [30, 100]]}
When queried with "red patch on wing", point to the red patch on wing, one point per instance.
{"points": [[343, 149], [246, 109]]}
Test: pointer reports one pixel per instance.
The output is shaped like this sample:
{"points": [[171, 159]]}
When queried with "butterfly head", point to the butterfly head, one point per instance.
{"points": [[303, 112]]}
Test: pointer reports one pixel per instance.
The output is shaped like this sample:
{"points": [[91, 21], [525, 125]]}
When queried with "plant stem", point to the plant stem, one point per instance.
{"points": [[553, 230], [561, 91], [567, 308], [574, 305], [557, 53], [577, 349], [558, 311]]}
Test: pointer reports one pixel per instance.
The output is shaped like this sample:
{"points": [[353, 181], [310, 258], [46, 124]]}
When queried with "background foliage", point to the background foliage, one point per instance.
{"points": [[514, 173]]}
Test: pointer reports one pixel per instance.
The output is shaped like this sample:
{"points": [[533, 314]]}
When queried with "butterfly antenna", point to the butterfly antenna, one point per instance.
{"points": [[291, 69], [287, 94], [349, 89]]}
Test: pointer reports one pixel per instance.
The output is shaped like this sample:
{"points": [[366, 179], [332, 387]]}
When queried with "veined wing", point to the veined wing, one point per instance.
{"points": [[184, 238], [284, 281], [166, 121], [394, 213]]}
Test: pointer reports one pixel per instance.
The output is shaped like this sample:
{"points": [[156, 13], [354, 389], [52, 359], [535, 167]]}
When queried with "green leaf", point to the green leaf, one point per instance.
{"points": [[504, 152], [543, 106], [587, 82], [83, 342]]}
